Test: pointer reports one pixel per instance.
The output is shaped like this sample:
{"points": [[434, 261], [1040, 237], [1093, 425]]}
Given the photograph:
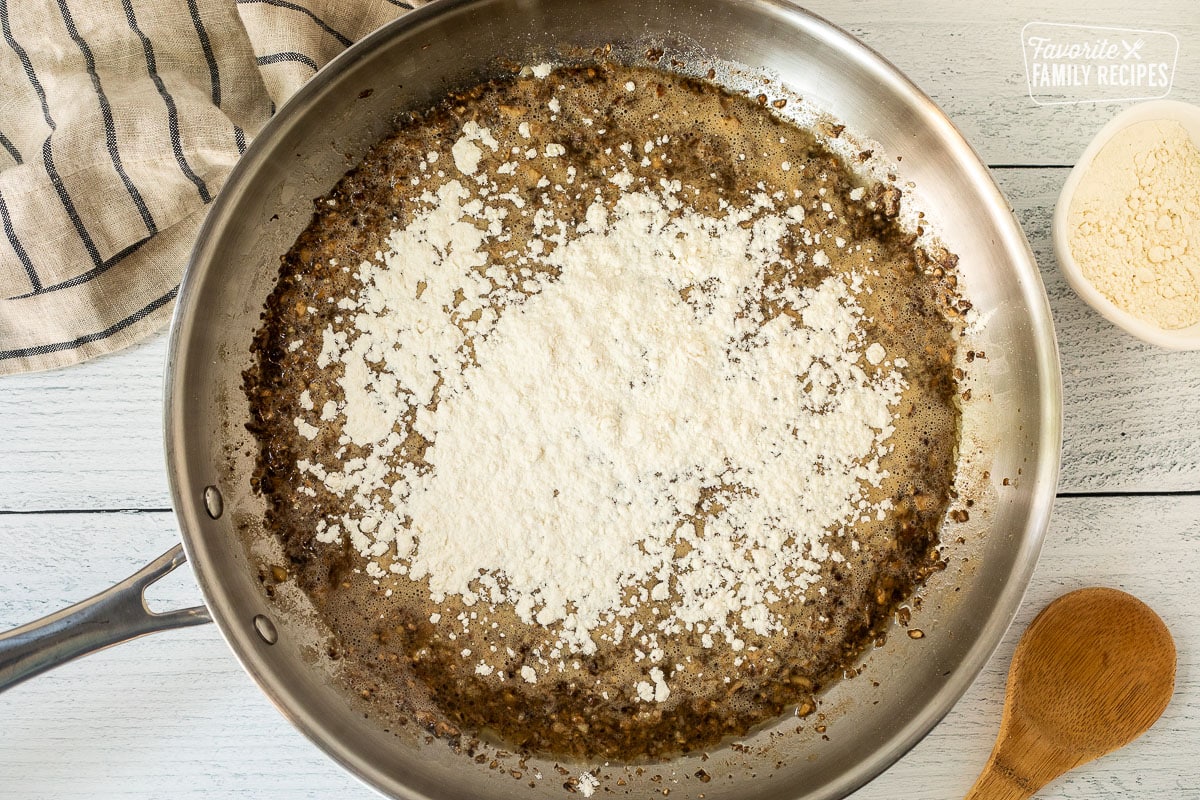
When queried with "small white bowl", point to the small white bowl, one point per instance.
{"points": [[1187, 115]]}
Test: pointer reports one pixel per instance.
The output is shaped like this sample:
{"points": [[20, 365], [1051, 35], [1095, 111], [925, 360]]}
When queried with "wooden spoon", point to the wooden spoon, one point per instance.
{"points": [[1093, 672]]}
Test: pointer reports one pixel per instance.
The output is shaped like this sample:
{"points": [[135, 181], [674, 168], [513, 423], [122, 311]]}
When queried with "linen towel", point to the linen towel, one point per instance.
{"points": [[119, 121]]}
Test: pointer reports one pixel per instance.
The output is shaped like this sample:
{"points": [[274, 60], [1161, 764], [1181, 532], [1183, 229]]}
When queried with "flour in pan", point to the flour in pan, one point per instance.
{"points": [[578, 428], [606, 433]]}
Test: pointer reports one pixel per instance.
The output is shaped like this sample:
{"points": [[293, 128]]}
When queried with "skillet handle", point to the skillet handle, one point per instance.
{"points": [[115, 615]]}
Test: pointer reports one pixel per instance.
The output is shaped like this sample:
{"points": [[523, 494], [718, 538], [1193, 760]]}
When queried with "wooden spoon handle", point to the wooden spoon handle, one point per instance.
{"points": [[998, 783], [1021, 763]]}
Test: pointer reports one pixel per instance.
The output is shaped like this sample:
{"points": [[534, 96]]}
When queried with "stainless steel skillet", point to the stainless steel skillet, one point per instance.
{"points": [[1012, 427]]}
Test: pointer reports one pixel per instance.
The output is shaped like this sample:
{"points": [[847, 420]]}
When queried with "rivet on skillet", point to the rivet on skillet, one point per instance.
{"points": [[265, 629], [214, 504]]}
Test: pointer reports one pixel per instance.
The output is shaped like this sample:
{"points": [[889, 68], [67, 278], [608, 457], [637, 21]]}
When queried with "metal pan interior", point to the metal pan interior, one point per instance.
{"points": [[1011, 428]]}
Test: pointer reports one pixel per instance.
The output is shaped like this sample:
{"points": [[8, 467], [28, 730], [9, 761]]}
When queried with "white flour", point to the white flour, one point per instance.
{"points": [[582, 420], [1135, 223]]}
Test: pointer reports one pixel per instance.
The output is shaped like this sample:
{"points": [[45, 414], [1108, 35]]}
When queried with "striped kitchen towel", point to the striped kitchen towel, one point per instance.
{"points": [[119, 121]]}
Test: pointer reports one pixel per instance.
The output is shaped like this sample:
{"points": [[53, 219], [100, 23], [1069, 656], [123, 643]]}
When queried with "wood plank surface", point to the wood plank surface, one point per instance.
{"points": [[968, 57], [173, 715], [86, 437], [1129, 419], [89, 437]]}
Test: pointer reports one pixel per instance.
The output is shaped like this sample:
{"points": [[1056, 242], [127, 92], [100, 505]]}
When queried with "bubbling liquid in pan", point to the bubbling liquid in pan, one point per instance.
{"points": [[605, 413]]}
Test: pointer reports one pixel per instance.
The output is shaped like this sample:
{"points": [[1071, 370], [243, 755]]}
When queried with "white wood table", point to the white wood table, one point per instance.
{"points": [[83, 495]]}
